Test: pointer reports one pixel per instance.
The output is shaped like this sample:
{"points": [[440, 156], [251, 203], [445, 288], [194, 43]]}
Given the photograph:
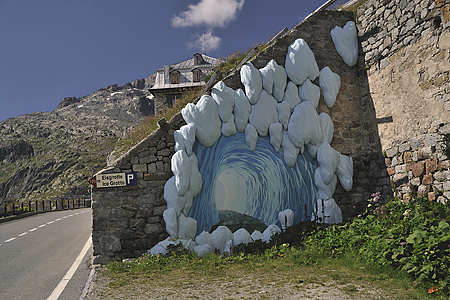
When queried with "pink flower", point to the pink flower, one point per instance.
{"points": [[422, 189]]}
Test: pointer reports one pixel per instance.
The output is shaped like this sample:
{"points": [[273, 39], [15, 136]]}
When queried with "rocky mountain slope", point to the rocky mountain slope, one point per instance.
{"points": [[50, 154]]}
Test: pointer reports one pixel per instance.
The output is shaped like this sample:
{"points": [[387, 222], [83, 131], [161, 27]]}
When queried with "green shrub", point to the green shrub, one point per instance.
{"points": [[413, 237]]}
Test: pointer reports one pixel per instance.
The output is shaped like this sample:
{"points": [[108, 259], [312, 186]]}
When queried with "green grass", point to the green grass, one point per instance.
{"points": [[233, 59], [296, 268]]}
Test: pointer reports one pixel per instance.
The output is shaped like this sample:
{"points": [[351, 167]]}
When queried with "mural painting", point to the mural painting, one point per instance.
{"points": [[249, 164]]}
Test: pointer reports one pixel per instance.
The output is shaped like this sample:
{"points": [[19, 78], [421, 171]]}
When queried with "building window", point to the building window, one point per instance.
{"points": [[198, 59], [197, 75], [174, 99], [171, 99], [174, 77]]}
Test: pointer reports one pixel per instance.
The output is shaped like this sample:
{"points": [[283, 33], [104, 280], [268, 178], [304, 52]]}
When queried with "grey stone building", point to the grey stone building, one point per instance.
{"points": [[173, 80]]}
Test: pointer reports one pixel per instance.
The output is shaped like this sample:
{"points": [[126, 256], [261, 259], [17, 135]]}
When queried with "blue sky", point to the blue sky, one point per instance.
{"points": [[51, 49]]}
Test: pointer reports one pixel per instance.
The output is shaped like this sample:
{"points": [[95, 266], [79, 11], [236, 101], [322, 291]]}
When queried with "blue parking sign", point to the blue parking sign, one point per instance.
{"points": [[130, 178]]}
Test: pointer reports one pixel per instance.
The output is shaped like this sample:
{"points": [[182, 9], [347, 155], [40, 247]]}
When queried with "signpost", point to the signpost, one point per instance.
{"points": [[113, 180]]}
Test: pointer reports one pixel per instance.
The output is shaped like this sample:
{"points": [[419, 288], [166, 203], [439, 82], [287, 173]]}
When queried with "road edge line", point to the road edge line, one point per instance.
{"points": [[88, 283], [62, 284]]}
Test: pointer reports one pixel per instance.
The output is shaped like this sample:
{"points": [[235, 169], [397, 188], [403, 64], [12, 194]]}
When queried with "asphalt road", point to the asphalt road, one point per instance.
{"points": [[37, 252]]}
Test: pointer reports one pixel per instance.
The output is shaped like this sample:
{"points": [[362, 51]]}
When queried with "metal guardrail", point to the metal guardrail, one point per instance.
{"points": [[42, 206], [350, 3], [323, 7]]}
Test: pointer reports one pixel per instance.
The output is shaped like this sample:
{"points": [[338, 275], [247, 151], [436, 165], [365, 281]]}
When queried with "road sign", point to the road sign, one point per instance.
{"points": [[93, 181], [113, 180]]}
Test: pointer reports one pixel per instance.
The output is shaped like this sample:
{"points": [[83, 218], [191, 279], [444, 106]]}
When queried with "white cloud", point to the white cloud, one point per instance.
{"points": [[207, 40], [213, 13]]}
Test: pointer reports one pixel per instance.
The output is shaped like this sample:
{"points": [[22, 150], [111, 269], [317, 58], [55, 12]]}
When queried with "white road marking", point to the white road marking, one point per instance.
{"points": [[43, 225], [62, 284]]}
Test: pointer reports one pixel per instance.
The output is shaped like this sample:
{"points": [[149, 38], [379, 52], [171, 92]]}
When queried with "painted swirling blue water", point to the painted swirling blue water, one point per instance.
{"points": [[258, 184]]}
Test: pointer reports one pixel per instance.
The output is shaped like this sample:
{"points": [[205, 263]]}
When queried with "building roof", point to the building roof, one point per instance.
{"points": [[189, 64], [185, 68]]}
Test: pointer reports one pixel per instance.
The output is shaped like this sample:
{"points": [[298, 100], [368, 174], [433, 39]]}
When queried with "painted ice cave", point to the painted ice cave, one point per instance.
{"points": [[250, 163]]}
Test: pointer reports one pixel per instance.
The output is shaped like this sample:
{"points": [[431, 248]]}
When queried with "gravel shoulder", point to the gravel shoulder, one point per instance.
{"points": [[253, 284]]}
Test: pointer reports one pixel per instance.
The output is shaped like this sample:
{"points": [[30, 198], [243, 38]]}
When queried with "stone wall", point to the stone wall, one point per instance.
{"points": [[406, 54], [386, 26], [128, 220]]}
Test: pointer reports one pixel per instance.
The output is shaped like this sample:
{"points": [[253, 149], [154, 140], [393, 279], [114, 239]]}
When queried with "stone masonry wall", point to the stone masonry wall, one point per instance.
{"points": [[406, 52], [128, 220]]}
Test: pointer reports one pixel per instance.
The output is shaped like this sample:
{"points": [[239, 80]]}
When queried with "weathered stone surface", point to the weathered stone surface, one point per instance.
{"points": [[161, 176], [400, 178], [391, 171], [391, 152], [441, 176], [400, 169], [446, 186], [415, 181], [443, 165], [407, 157], [418, 168], [147, 159], [153, 229], [431, 165], [425, 152], [427, 179], [164, 152], [140, 168]]}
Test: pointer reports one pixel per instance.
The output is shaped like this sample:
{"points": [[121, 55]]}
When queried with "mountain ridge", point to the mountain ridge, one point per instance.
{"points": [[51, 154]]}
